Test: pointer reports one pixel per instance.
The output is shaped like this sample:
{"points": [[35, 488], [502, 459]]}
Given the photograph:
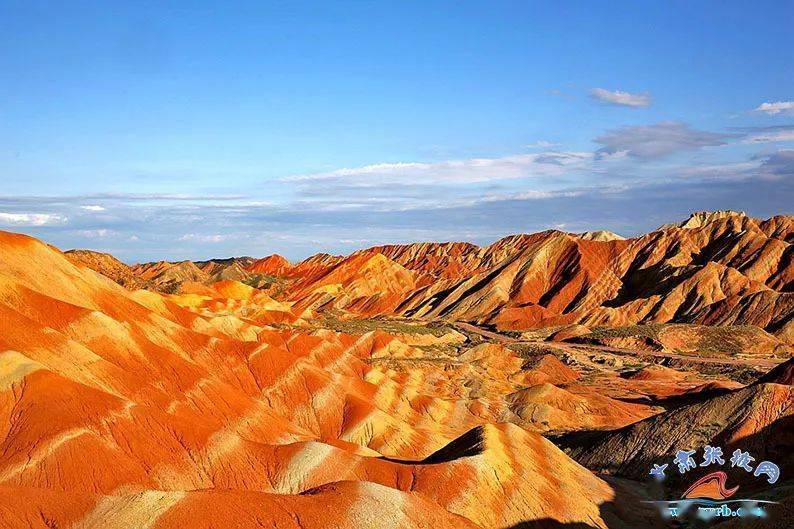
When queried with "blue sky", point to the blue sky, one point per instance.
{"points": [[200, 129]]}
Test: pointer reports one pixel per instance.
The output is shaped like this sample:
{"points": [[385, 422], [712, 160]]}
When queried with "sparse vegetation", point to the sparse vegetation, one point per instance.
{"points": [[274, 285], [332, 321], [724, 340], [444, 350], [531, 350], [739, 373], [631, 331]]}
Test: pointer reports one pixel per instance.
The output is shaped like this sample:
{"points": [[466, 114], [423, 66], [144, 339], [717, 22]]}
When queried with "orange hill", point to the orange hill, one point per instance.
{"points": [[137, 409]]}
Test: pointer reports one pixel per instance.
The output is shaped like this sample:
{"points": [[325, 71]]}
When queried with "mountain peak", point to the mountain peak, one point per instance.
{"points": [[698, 219], [274, 264], [600, 235]]}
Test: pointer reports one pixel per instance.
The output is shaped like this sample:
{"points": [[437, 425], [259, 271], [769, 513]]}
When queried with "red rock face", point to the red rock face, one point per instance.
{"points": [[275, 265], [782, 374], [714, 269]]}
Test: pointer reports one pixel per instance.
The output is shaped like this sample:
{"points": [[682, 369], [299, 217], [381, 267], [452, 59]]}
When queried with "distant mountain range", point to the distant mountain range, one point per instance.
{"points": [[714, 268]]}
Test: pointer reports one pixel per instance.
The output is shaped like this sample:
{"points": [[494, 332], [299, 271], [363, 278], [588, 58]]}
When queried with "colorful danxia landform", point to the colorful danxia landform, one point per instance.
{"points": [[527, 383]]}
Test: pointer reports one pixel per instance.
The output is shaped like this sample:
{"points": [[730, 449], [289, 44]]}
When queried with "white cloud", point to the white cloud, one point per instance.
{"points": [[617, 97], [31, 219], [92, 208], [197, 237], [467, 171], [448, 199], [357, 241], [531, 195], [776, 107], [541, 144], [94, 234]]}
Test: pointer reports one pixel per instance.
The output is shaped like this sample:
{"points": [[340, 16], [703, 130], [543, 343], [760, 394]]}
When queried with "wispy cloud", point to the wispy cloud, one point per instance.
{"points": [[31, 219], [620, 98], [541, 144], [94, 201], [776, 108], [775, 134], [197, 237], [472, 170], [657, 140], [95, 234], [341, 222]]}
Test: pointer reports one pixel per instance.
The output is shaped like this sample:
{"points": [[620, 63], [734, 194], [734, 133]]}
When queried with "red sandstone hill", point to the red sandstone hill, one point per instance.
{"points": [[271, 265], [726, 271], [782, 374], [714, 269], [137, 409]]}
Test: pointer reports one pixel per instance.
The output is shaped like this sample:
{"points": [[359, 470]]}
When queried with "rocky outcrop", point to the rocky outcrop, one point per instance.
{"points": [[758, 418]]}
